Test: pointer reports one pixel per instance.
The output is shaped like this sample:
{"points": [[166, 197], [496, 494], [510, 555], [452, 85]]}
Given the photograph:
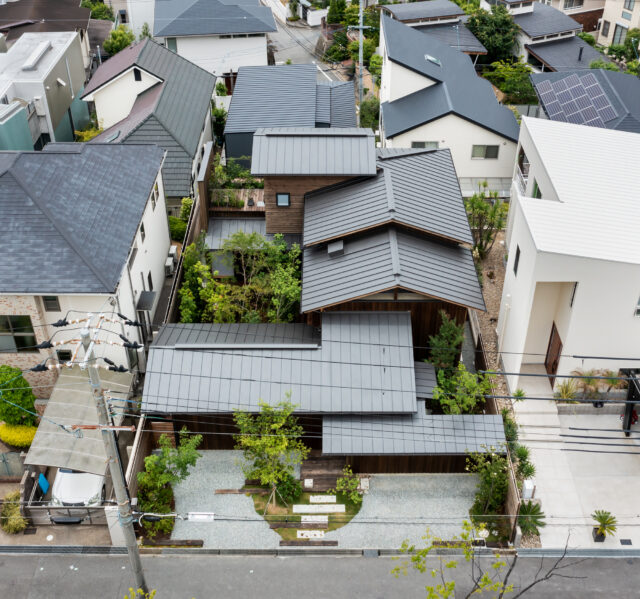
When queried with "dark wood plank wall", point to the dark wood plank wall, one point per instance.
{"points": [[406, 464], [425, 316]]}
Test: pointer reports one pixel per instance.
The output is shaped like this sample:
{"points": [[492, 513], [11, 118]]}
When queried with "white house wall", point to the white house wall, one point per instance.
{"points": [[139, 13], [115, 99], [459, 135], [613, 10], [223, 55]]}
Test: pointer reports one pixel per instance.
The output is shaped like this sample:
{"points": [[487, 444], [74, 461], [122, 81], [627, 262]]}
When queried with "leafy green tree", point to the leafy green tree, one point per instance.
{"points": [[496, 31], [293, 9], [185, 209], [161, 471], [512, 78], [603, 64], [351, 15], [271, 442], [492, 469], [177, 228], [375, 67], [368, 48], [285, 293], [631, 44], [618, 51], [99, 10], [146, 32], [119, 39], [333, 15], [444, 346], [487, 215], [348, 486], [219, 118], [370, 113], [14, 388], [462, 391], [221, 89]]}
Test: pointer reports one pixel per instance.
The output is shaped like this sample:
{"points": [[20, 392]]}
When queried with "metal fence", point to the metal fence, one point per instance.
{"points": [[42, 515]]}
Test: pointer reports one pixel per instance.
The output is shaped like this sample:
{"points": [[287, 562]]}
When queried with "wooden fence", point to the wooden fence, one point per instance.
{"points": [[142, 446]]}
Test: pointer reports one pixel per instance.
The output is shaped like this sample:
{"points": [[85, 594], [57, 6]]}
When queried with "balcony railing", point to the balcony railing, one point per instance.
{"points": [[522, 178]]}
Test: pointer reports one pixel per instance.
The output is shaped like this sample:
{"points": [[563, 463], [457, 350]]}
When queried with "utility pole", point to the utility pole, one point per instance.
{"points": [[119, 485], [361, 27]]}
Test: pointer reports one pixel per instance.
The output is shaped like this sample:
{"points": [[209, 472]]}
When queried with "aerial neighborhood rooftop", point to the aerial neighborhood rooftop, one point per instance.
{"points": [[319, 278]]}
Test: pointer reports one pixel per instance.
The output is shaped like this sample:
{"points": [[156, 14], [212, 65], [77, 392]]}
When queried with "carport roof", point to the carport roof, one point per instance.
{"points": [[72, 402], [414, 434]]}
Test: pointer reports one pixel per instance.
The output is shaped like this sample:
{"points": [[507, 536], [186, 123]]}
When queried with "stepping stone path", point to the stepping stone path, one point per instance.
{"points": [[317, 519], [322, 499], [311, 534], [319, 509]]}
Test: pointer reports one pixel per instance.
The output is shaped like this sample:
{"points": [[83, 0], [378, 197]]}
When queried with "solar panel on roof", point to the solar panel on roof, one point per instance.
{"points": [[570, 107], [544, 86], [589, 79], [547, 96], [595, 123], [553, 108], [583, 102], [577, 92], [600, 101], [559, 85], [606, 114], [564, 96], [575, 118], [572, 80], [589, 114]]}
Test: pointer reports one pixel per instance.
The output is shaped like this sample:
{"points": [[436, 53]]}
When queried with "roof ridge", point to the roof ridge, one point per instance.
{"points": [[55, 224]]}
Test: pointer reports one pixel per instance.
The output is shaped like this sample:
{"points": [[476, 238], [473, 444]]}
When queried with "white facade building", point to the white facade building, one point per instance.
{"points": [[572, 284], [431, 97]]}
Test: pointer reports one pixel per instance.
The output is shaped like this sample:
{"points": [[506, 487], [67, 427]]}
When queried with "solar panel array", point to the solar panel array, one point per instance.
{"points": [[574, 99]]}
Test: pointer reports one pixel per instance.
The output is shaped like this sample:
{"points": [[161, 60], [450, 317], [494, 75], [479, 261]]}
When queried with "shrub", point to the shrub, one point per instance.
{"points": [[88, 133], [525, 470], [19, 394], [462, 392], [177, 229], [118, 40], [99, 10], [587, 37], [618, 51], [566, 389], [487, 215], [606, 522], [493, 474], [17, 435], [11, 520], [370, 113], [289, 489], [221, 89], [444, 346], [530, 518], [146, 32], [510, 429], [185, 209], [603, 64], [348, 484]]}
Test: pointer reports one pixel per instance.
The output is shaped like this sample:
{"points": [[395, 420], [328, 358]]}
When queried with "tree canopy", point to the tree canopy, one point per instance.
{"points": [[118, 40], [496, 31], [14, 388]]}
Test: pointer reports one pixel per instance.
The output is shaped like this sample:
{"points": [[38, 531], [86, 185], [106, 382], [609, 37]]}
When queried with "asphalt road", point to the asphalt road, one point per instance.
{"points": [[205, 577]]}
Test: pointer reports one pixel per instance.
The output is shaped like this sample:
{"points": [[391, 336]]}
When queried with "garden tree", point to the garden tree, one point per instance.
{"points": [[250, 252], [118, 40], [490, 575], [512, 78], [370, 113], [333, 14], [351, 15], [444, 346], [271, 442], [496, 31], [375, 67], [603, 64], [338, 51], [185, 209], [492, 469], [368, 48], [219, 118], [285, 290], [99, 10], [14, 388], [162, 470], [191, 305], [293, 8], [146, 32], [487, 215], [469, 6], [462, 391], [631, 44]]}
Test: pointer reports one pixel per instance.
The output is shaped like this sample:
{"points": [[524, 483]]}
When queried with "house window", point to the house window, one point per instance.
{"points": [[172, 44], [154, 196], [573, 4], [619, 33], [137, 75], [123, 16], [516, 262], [64, 355], [626, 15], [283, 199], [573, 294], [16, 334], [142, 234], [629, 4], [150, 281], [51, 303], [132, 257], [536, 193], [427, 145], [484, 151], [605, 28]]}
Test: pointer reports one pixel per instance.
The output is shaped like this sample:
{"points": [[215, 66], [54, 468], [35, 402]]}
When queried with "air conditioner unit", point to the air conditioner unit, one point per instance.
{"points": [[173, 253], [39, 104], [168, 267]]}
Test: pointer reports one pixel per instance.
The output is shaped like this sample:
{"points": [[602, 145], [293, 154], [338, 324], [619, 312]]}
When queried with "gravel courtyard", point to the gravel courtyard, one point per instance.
{"points": [[397, 507], [400, 507]]}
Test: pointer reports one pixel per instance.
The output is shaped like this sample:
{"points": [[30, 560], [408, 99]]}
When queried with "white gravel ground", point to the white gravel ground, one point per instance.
{"points": [[221, 470], [397, 507], [400, 507]]}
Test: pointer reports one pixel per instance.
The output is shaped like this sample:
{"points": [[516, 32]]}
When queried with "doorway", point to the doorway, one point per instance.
{"points": [[554, 351]]}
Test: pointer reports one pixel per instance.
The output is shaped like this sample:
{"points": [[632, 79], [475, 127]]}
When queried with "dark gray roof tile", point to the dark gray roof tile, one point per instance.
{"points": [[413, 11], [545, 20]]}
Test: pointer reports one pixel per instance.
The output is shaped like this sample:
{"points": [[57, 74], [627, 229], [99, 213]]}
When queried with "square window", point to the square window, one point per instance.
{"points": [[516, 262], [605, 28], [283, 199], [25, 342], [477, 151], [16, 334], [172, 44], [137, 75], [51, 303], [64, 355], [427, 145], [491, 152]]}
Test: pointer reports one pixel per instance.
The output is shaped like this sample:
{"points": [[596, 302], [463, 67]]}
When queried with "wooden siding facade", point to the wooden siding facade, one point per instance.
{"points": [[406, 464], [290, 219]]}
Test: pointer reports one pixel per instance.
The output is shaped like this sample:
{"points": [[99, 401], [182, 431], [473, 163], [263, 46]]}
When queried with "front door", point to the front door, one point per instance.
{"points": [[554, 350]]}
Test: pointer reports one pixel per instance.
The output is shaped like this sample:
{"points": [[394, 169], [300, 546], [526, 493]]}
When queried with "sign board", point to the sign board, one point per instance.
{"points": [[319, 509], [311, 534], [320, 519], [322, 499]]}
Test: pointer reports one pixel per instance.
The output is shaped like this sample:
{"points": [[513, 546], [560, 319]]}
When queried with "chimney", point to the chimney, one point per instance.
{"points": [[580, 54], [335, 248]]}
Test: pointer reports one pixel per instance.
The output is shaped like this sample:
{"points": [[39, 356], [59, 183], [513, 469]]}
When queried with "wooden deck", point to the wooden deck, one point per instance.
{"points": [[324, 470], [257, 195]]}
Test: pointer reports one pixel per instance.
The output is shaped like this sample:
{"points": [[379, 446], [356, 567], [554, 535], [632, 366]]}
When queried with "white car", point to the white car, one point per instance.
{"points": [[77, 489]]}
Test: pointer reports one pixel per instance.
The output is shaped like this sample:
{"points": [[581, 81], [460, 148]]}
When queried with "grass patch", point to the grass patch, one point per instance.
{"points": [[279, 510]]}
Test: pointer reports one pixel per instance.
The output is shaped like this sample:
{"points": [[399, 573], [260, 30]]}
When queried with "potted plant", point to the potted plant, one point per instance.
{"points": [[606, 525]]}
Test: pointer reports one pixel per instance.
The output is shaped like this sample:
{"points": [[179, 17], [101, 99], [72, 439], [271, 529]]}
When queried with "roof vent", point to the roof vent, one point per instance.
{"points": [[113, 137], [432, 59], [335, 248], [33, 60]]}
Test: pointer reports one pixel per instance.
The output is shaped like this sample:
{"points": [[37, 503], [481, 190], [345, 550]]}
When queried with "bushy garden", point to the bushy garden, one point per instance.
{"points": [[266, 286], [18, 411], [226, 179], [178, 224]]}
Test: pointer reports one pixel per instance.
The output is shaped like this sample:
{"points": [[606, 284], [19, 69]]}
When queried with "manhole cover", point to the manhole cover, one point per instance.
{"points": [[625, 542]]}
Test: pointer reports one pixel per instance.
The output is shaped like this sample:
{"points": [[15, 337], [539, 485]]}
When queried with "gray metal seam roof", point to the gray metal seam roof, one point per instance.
{"points": [[353, 371], [545, 20]]}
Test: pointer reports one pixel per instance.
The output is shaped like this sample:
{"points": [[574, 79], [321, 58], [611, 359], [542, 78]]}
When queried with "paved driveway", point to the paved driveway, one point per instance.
{"points": [[400, 507], [237, 526]]}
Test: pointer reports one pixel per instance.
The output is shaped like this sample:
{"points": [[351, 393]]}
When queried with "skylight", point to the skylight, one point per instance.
{"points": [[112, 137], [432, 59]]}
